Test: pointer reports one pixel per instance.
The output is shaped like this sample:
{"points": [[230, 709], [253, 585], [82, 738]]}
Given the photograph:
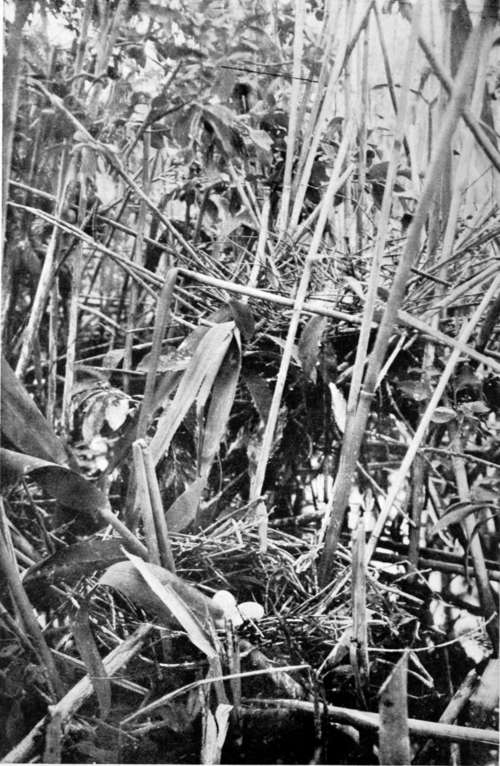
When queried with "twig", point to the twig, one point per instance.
{"points": [[9, 568], [143, 501], [161, 321], [166, 556], [76, 281], [75, 698], [298, 41], [46, 276], [351, 447], [453, 708], [137, 257], [486, 597], [142, 274], [425, 421], [366, 720], [267, 439], [486, 145]]}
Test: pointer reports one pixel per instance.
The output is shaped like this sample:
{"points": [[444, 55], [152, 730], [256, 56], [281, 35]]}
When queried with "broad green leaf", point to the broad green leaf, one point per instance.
{"points": [[260, 138], [477, 407], [455, 516], [70, 563], [67, 486], [260, 392], [281, 343], [443, 415], [183, 510], [417, 390], [162, 592], [309, 344], [226, 129], [244, 319], [87, 648], [173, 361], [201, 370], [213, 364], [23, 424], [221, 402]]}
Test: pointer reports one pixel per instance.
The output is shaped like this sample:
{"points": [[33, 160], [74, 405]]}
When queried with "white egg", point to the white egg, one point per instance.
{"points": [[227, 602], [251, 610]]}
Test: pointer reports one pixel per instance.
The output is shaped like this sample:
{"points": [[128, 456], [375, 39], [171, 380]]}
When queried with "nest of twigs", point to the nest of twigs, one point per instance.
{"points": [[305, 631]]}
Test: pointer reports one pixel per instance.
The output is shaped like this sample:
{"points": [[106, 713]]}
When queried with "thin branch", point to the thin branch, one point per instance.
{"points": [[365, 720]]}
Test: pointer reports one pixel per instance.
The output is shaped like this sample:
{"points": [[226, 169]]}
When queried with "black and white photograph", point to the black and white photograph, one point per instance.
{"points": [[250, 382]]}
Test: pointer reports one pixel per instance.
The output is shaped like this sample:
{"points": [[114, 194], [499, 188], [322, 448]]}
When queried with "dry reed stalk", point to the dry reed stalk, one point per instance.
{"points": [[364, 107], [358, 648], [426, 419], [74, 699], [383, 225], [81, 47], [311, 120], [462, 171], [440, 337], [142, 274], [259, 260], [76, 282], [267, 439], [108, 33], [117, 167], [486, 597], [393, 734], [11, 83], [143, 504], [302, 228], [298, 44], [50, 408], [10, 571], [317, 132], [482, 139], [476, 281], [365, 720], [137, 257], [417, 507], [352, 444], [46, 276], [426, 564], [388, 70], [165, 548], [453, 709]]}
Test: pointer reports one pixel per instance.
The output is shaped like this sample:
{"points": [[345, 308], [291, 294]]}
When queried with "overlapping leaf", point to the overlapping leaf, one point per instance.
{"points": [[168, 596], [195, 385]]}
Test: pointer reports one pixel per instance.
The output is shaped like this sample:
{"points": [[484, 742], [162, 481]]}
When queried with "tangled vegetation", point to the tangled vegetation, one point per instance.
{"points": [[250, 382]]}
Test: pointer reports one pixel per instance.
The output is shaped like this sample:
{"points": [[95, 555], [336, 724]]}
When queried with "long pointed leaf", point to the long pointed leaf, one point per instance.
{"points": [[223, 393], [211, 348], [183, 510], [169, 597], [87, 647], [177, 606], [24, 425]]}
